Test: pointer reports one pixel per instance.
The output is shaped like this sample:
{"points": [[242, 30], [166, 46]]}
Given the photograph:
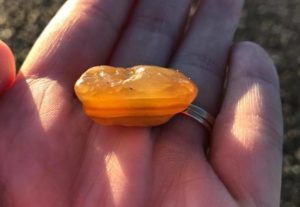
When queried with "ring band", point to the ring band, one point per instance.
{"points": [[201, 116]]}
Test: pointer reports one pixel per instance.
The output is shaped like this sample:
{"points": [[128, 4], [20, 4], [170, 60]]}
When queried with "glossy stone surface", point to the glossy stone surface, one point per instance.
{"points": [[138, 96]]}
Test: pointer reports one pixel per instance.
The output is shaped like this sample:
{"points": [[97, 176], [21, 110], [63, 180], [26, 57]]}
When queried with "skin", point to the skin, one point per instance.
{"points": [[51, 154], [7, 67]]}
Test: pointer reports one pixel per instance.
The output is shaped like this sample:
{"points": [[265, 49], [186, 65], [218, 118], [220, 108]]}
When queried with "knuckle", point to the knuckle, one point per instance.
{"points": [[156, 24], [98, 12], [199, 62]]}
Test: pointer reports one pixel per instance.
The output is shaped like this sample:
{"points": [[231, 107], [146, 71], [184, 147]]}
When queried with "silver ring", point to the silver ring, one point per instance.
{"points": [[202, 116]]}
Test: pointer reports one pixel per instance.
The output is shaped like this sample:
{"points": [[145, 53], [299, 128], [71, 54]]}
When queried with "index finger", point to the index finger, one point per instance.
{"points": [[81, 35]]}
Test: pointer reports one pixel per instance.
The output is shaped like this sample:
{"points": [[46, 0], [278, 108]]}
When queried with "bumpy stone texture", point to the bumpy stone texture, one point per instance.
{"points": [[275, 24], [138, 96]]}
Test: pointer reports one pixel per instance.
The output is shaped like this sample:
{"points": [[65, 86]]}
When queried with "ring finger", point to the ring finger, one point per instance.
{"points": [[203, 53], [179, 151]]}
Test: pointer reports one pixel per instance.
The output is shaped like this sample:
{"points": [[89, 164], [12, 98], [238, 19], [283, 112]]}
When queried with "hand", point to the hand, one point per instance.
{"points": [[51, 154]]}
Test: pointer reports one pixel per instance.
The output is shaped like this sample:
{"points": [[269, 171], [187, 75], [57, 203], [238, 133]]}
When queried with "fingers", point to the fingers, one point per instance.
{"points": [[152, 33], [81, 35], [7, 67], [203, 53], [247, 140]]}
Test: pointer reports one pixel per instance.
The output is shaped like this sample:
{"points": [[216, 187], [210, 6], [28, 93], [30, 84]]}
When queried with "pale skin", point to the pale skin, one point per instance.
{"points": [[51, 154]]}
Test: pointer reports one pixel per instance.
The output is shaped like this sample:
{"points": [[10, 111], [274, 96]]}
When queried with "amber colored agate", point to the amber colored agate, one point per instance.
{"points": [[138, 96]]}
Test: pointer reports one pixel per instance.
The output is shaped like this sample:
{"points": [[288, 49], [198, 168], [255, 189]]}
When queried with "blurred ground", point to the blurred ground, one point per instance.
{"points": [[275, 24]]}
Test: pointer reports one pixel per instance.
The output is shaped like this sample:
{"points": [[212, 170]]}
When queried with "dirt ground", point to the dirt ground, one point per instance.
{"points": [[275, 24]]}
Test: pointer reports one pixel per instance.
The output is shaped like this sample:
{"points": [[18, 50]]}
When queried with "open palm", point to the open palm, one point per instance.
{"points": [[51, 154]]}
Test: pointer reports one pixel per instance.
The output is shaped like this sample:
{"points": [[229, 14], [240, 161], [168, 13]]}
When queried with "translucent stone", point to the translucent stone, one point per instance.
{"points": [[138, 96]]}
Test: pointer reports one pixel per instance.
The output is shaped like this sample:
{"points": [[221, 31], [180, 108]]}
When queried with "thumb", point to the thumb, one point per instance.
{"points": [[7, 67]]}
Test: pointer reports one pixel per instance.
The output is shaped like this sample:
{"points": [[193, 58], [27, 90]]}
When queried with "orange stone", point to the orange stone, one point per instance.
{"points": [[138, 96]]}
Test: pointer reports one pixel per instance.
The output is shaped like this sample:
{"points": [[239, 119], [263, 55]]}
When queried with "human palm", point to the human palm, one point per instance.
{"points": [[51, 154]]}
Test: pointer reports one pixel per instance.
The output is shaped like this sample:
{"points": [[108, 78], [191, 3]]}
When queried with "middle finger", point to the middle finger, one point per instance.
{"points": [[151, 33]]}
